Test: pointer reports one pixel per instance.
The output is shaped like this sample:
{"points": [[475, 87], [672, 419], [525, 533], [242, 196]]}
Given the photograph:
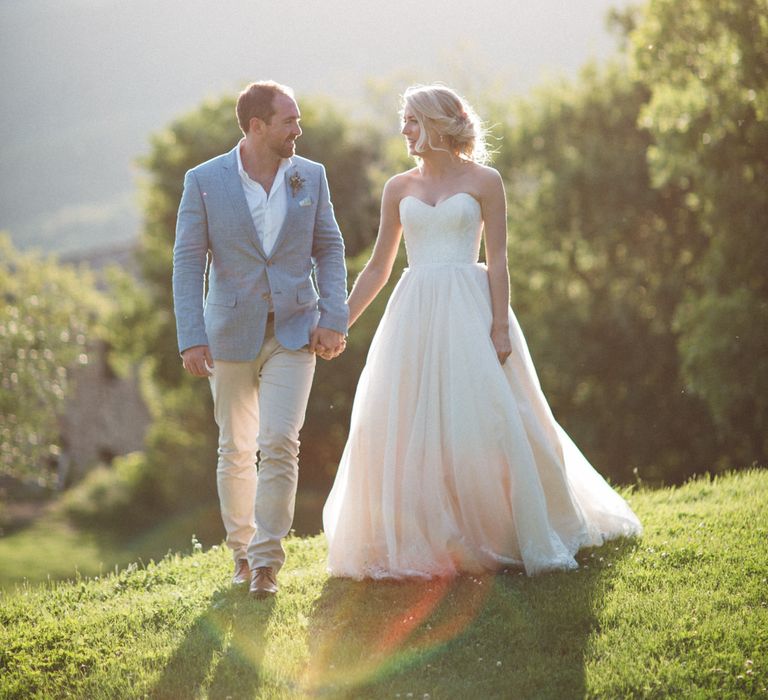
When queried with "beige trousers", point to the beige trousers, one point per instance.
{"points": [[260, 407]]}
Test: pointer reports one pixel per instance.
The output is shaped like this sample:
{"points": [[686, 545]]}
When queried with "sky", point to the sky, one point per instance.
{"points": [[85, 82]]}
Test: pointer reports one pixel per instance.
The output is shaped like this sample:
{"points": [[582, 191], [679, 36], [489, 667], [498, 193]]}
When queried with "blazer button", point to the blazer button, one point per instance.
{"points": [[266, 296]]}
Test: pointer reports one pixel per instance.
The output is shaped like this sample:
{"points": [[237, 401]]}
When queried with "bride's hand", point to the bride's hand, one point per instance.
{"points": [[500, 340]]}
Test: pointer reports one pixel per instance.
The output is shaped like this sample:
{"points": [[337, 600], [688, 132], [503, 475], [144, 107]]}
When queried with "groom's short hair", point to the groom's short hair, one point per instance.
{"points": [[256, 101]]}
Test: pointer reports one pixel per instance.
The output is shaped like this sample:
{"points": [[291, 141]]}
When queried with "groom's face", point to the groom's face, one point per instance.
{"points": [[283, 129]]}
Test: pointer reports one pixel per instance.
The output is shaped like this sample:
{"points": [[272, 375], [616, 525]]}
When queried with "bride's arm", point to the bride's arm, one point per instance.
{"points": [[494, 207], [378, 269]]}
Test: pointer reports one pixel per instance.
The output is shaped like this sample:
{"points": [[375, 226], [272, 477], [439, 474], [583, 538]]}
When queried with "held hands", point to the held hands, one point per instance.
{"points": [[500, 340], [326, 343], [329, 344], [198, 361]]}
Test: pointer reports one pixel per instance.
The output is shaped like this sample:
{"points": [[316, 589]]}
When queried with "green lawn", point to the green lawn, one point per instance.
{"points": [[53, 549], [681, 613]]}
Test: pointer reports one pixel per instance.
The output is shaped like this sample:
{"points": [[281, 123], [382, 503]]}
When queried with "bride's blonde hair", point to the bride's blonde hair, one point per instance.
{"points": [[441, 112]]}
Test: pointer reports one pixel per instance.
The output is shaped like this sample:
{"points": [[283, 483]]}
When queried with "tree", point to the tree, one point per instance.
{"points": [[50, 312], [706, 65], [600, 260]]}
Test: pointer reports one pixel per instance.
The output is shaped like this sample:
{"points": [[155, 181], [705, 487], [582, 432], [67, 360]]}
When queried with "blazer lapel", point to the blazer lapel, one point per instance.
{"points": [[234, 188], [292, 204]]}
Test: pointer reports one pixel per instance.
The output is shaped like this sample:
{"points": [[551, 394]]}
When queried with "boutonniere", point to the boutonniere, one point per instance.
{"points": [[297, 182]]}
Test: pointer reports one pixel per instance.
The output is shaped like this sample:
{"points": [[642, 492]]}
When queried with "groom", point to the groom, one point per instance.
{"points": [[264, 216]]}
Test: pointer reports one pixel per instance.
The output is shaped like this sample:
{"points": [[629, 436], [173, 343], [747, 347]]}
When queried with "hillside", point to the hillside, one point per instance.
{"points": [[682, 612]]}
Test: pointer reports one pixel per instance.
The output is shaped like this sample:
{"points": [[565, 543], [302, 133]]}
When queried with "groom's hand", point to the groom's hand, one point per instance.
{"points": [[198, 361], [327, 343]]}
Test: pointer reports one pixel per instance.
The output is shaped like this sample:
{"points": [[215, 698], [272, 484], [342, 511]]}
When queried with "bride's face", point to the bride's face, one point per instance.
{"points": [[411, 130]]}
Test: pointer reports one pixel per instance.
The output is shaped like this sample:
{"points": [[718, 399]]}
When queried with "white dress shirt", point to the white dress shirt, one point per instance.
{"points": [[267, 210]]}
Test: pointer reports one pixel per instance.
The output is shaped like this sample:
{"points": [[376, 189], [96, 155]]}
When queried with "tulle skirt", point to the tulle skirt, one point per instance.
{"points": [[455, 463]]}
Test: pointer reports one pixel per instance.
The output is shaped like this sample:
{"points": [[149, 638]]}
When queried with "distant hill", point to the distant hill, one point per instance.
{"points": [[122, 255]]}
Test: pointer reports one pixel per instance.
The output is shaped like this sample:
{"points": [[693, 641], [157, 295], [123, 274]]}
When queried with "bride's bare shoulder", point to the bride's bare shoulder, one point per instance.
{"points": [[486, 180], [398, 185], [404, 179], [484, 174]]}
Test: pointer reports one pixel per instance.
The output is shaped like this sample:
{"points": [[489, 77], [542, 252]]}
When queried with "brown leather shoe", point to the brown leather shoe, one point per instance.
{"points": [[242, 575], [263, 582]]}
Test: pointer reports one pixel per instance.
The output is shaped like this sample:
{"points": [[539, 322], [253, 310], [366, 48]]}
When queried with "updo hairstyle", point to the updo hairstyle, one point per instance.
{"points": [[445, 117]]}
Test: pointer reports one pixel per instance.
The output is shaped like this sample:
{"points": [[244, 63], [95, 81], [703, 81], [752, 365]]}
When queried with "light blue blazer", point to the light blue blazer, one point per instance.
{"points": [[242, 279]]}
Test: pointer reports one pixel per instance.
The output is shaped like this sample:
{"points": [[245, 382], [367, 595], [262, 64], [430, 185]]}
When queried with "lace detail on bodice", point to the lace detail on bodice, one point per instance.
{"points": [[446, 233]]}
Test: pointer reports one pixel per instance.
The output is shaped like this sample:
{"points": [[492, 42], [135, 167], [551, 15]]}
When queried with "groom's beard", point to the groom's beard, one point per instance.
{"points": [[286, 149]]}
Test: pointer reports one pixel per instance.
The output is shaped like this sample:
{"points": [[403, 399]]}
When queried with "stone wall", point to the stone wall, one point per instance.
{"points": [[104, 416]]}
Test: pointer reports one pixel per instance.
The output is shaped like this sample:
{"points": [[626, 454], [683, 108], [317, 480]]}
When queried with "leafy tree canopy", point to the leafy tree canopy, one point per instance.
{"points": [[49, 314], [706, 65]]}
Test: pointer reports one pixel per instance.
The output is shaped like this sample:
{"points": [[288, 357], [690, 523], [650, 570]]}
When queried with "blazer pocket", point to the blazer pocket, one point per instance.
{"points": [[221, 299], [306, 294]]}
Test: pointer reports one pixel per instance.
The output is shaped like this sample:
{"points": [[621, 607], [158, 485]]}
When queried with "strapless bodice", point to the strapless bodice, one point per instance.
{"points": [[446, 233]]}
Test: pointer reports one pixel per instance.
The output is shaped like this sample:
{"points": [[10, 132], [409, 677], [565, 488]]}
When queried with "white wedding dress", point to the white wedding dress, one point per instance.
{"points": [[455, 463]]}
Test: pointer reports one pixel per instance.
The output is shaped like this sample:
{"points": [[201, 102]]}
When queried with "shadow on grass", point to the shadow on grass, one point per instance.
{"points": [[221, 655], [504, 636]]}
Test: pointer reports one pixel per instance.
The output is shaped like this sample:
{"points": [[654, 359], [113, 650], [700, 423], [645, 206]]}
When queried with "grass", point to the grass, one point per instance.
{"points": [[682, 612], [52, 549]]}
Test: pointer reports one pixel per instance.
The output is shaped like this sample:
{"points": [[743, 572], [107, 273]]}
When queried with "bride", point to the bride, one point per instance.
{"points": [[454, 461]]}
